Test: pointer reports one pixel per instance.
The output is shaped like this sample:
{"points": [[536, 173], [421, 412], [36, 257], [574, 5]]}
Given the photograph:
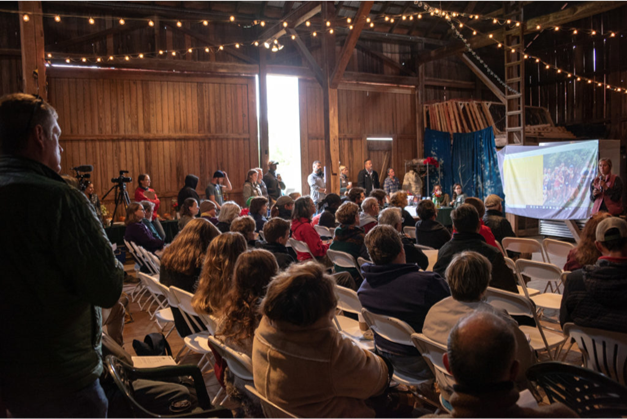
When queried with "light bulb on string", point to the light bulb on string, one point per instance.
{"points": [[174, 53], [179, 24], [110, 57], [494, 21], [127, 58], [557, 28], [314, 34], [392, 20], [232, 18], [331, 31], [411, 17], [98, 59], [26, 18], [537, 60], [349, 20], [141, 55], [547, 66], [594, 32], [189, 50], [490, 36], [49, 55], [328, 23], [387, 18], [91, 21], [575, 32], [84, 59], [368, 20], [122, 22], [509, 21], [537, 27], [256, 43], [308, 23], [151, 23], [67, 60], [205, 22], [474, 32], [285, 24], [350, 27], [267, 45], [206, 49], [160, 52], [274, 48], [420, 16], [461, 25], [293, 37], [499, 45], [221, 47], [57, 18], [236, 45], [372, 24], [263, 23]]}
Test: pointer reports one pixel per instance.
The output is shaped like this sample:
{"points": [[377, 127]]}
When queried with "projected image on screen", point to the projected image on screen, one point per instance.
{"points": [[550, 182]]}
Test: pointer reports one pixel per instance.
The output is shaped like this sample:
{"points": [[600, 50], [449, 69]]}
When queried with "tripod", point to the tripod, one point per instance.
{"points": [[121, 197]]}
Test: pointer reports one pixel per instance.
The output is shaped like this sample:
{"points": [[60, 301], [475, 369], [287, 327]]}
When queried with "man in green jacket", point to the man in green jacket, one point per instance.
{"points": [[57, 270]]}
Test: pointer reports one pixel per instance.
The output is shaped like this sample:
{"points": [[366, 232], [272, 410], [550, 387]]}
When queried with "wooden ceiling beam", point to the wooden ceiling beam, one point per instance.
{"points": [[359, 22], [307, 57], [385, 59], [562, 17], [295, 18], [96, 35], [498, 92], [399, 20]]}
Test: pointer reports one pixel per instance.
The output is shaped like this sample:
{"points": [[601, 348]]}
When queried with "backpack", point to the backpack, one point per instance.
{"points": [[154, 344]]}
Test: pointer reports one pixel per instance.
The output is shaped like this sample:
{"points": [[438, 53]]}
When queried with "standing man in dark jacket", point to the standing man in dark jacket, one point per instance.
{"points": [[430, 232], [189, 190], [273, 182], [596, 296], [394, 288], [466, 222], [58, 269], [368, 178]]}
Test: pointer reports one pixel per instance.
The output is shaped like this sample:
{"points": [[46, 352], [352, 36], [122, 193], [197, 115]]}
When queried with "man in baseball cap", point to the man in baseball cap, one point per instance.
{"points": [[273, 181], [285, 205], [596, 295], [216, 186], [494, 219]]}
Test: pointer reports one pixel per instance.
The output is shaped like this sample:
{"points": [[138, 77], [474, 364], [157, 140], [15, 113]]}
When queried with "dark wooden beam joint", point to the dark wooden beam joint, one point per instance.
{"points": [[307, 57]]}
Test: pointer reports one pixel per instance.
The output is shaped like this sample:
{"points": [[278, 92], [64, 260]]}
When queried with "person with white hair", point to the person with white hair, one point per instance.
{"points": [[393, 217], [230, 211]]}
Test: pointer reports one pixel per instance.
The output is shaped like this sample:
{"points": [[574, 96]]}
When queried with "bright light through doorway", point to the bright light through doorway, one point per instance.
{"points": [[284, 129]]}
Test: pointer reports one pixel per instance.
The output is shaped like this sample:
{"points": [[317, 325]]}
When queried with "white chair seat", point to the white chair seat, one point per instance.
{"points": [[548, 300], [531, 291], [165, 315], [198, 342], [553, 339], [350, 329]]}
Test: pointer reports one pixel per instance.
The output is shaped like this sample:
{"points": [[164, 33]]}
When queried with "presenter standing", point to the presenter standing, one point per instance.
{"points": [[606, 190]]}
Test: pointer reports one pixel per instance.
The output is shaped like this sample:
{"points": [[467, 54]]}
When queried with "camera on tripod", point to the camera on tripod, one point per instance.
{"points": [[82, 177], [122, 179]]}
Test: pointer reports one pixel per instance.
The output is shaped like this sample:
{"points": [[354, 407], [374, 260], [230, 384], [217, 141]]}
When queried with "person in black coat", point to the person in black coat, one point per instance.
{"points": [[189, 190], [430, 232], [466, 222], [368, 178], [276, 232], [393, 217]]}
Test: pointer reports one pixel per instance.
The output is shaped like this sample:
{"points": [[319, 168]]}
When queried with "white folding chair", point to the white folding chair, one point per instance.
{"points": [[512, 265], [149, 262], [139, 289], [196, 342], [300, 246], [270, 410], [349, 302], [521, 245], [432, 255], [423, 247], [164, 314], [263, 237], [500, 246], [155, 296], [153, 260], [323, 231], [432, 351], [603, 351], [361, 261], [344, 260], [519, 305], [410, 231], [557, 251], [239, 363], [394, 330], [545, 274]]}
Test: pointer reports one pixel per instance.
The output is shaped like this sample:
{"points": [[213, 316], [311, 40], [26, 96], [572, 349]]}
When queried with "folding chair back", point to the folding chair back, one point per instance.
{"points": [[153, 260], [518, 244], [423, 247], [500, 246], [344, 260], [522, 286], [389, 328], [432, 255], [239, 363], [184, 299], [300, 246], [410, 231], [134, 251], [557, 251], [348, 300], [432, 351], [270, 410], [603, 351], [323, 231], [545, 274], [361, 261], [263, 237]]}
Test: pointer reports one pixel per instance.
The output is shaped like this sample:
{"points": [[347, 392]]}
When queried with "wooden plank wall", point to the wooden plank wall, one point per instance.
{"points": [[361, 114], [164, 125], [10, 64]]}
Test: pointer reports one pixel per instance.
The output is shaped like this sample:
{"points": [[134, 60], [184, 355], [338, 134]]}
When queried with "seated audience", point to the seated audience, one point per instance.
{"points": [[466, 222], [458, 196], [438, 195], [259, 211], [327, 208], [595, 296], [230, 211], [216, 275], [294, 195], [494, 218], [283, 208], [381, 197], [136, 230], [149, 208], [182, 261], [484, 230], [189, 190], [369, 214], [189, 210], [392, 217], [349, 238], [430, 232], [246, 227], [208, 211], [356, 195], [468, 277], [399, 200], [251, 187], [277, 232], [302, 230], [586, 252], [394, 288], [301, 362], [481, 356]]}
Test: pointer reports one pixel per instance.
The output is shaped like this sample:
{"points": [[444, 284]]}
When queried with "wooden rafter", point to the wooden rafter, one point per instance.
{"points": [[60, 46], [309, 59], [287, 7], [385, 59], [562, 17], [349, 44], [295, 18], [230, 50], [470, 7], [485, 79], [399, 20]]}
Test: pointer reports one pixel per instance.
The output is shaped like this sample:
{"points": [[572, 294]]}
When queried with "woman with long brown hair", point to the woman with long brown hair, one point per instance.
{"points": [[217, 271], [136, 230], [586, 252], [182, 261]]}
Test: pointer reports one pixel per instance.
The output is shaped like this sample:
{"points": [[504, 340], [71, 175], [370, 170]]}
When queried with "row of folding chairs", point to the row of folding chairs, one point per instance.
{"points": [[550, 250]]}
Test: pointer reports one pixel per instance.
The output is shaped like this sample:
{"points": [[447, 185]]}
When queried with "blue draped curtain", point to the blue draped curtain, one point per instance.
{"points": [[438, 146], [476, 165]]}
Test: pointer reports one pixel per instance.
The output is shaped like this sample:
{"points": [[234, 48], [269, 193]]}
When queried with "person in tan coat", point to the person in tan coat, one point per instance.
{"points": [[300, 360]]}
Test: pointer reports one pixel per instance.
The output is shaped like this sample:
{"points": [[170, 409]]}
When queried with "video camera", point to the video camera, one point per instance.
{"points": [[82, 177], [121, 180]]}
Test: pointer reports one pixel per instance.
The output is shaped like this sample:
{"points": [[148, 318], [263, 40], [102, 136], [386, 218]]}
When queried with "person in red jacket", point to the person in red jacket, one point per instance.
{"points": [[302, 230], [145, 193]]}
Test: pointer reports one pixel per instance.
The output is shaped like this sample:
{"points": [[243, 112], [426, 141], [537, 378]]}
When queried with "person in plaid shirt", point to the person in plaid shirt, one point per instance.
{"points": [[391, 183]]}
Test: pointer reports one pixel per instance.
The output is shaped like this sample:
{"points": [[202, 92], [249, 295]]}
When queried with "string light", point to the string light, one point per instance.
{"points": [[127, 58], [189, 50], [84, 59], [314, 34], [256, 43], [141, 55], [274, 48], [461, 25], [537, 27], [111, 58], [221, 48], [474, 32], [293, 37], [372, 24], [368, 19], [420, 16], [490, 36], [91, 21], [557, 28], [494, 21], [331, 31], [387, 18], [594, 32], [49, 55], [575, 32], [122, 22], [173, 53], [236, 45], [285, 24], [308, 23], [67, 60], [392, 20], [151, 23], [98, 59], [57, 18], [350, 27], [348, 20], [263, 23], [205, 22], [267, 45], [179, 24], [206, 49], [232, 19], [499, 45], [160, 52], [26, 18]]}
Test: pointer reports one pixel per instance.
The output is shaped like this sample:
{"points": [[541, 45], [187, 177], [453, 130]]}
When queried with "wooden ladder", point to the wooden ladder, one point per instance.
{"points": [[514, 74]]}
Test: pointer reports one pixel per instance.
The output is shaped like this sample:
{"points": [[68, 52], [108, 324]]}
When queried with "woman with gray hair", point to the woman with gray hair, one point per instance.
{"points": [[228, 212], [393, 217]]}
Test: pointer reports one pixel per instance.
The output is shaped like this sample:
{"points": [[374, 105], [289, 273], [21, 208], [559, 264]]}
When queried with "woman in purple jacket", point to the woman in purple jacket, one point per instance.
{"points": [[136, 230]]}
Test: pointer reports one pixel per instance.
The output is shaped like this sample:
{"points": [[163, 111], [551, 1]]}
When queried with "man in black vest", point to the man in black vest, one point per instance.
{"points": [[368, 178]]}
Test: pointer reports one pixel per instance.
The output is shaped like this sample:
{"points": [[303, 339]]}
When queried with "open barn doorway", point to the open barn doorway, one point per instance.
{"points": [[284, 129]]}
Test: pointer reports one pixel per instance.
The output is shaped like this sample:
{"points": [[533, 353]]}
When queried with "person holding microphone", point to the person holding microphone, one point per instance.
{"points": [[606, 190]]}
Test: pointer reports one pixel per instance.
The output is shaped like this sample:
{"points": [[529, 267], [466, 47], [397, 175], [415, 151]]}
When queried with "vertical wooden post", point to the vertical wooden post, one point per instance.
{"points": [[32, 44], [331, 125], [420, 101], [264, 135]]}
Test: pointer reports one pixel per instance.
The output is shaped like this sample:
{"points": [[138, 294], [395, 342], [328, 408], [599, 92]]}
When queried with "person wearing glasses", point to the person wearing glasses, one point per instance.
{"points": [[136, 230], [58, 270]]}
